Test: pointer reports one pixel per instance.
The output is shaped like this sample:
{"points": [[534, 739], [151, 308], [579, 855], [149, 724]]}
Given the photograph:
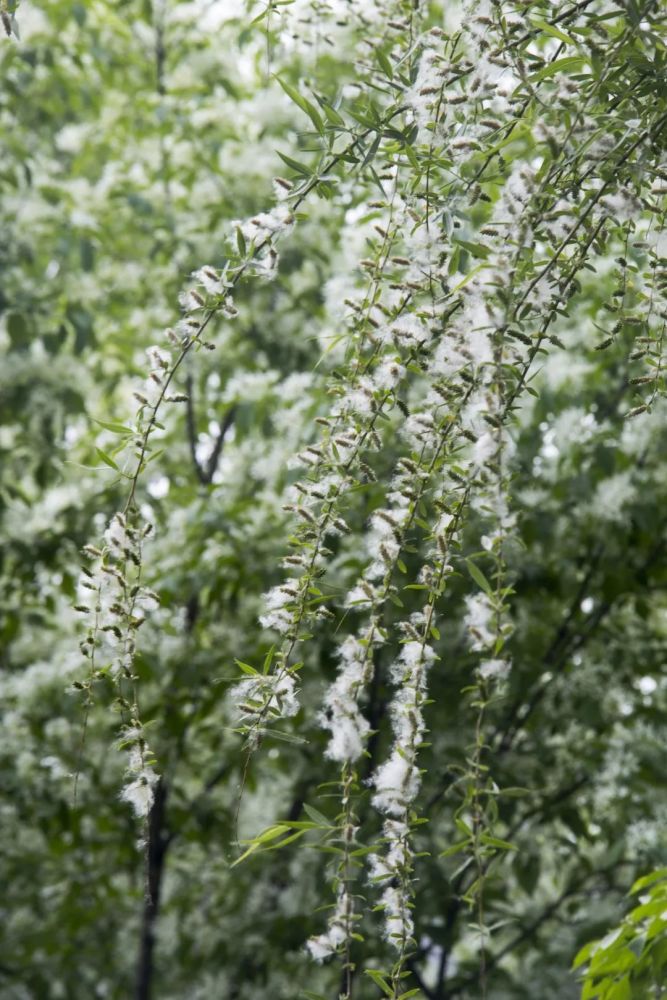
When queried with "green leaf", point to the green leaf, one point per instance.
{"points": [[474, 249], [380, 981], [268, 660], [463, 827], [647, 880], [246, 668], [551, 29], [334, 117], [106, 459], [271, 833], [299, 168], [317, 816], [385, 64], [479, 577], [265, 841], [569, 64], [277, 734], [304, 104], [502, 845], [620, 990], [300, 824], [262, 15], [114, 428], [454, 849]]}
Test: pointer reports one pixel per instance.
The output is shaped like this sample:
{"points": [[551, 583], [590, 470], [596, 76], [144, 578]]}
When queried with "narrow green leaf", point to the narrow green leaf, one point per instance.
{"points": [[114, 428], [266, 841], [551, 29], [263, 838], [245, 667], [380, 981], [569, 64], [463, 827], [106, 459], [454, 849], [277, 734], [475, 249], [270, 833], [268, 660], [502, 845], [315, 815], [330, 112], [385, 64], [647, 880], [479, 577], [299, 824], [261, 16], [299, 168], [302, 103], [372, 150]]}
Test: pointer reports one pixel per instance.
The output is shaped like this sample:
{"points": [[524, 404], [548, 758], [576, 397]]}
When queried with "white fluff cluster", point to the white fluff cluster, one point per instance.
{"points": [[110, 598], [115, 604], [515, 195], [423, 96], [266, 695], [480, 621], [341, 715], [119, 536], [622, 205], [260, 234], [338, 930], [397, 853], [142, 778], [213, 282], [279, 604], [612, 495], [384, 540], [398, 921], [494, 669], [153, 388], [397, 780], [396, 784], [391, 870]]}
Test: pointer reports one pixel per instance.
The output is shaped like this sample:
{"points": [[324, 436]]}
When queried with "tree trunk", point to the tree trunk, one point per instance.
{"points": [[156, 850]]}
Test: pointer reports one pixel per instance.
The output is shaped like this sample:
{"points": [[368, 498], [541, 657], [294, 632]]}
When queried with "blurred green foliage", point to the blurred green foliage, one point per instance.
{"points": [[133, 135]]}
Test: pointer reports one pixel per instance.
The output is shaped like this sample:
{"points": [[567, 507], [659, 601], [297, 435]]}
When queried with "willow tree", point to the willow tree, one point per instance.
{"points": [[373, 576]]}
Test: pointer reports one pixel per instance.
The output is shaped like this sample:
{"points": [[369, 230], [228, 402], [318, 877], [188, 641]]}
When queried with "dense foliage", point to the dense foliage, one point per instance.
{"points": [[333, 618]]}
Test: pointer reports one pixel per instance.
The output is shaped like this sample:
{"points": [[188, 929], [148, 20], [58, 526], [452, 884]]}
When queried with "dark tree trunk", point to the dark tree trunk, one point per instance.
{"points": [[156, 849]]}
